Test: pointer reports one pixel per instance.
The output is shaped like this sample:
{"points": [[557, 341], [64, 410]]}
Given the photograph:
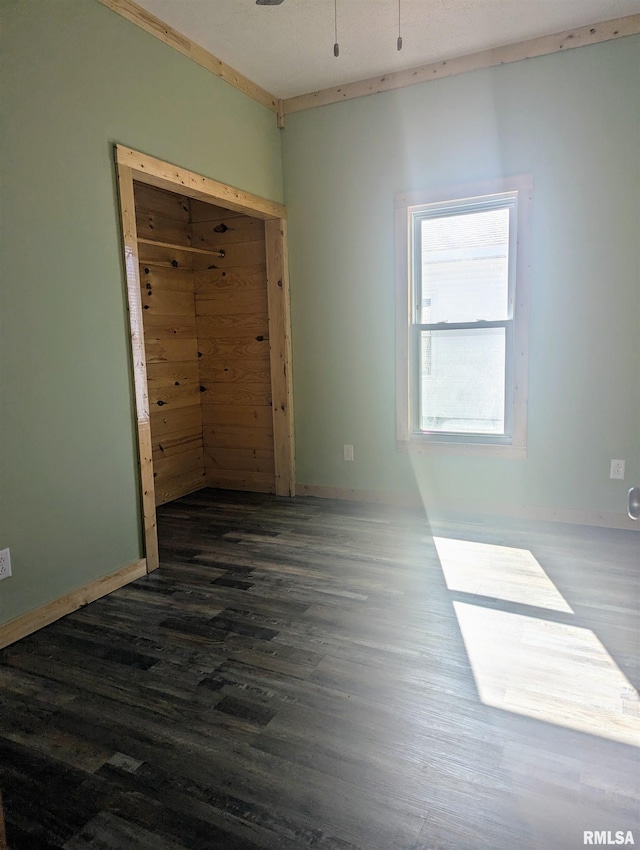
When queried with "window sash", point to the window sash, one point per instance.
{"points": [[416, 382], [409, 205], [445, 209], [506, 200]]}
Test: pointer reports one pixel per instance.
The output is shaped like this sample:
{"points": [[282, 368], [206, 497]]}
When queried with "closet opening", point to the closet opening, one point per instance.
{"points": [[208, 296]]}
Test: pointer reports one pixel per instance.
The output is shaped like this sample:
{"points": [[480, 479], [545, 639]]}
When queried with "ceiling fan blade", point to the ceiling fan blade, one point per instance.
{"points": [[268, 2]]}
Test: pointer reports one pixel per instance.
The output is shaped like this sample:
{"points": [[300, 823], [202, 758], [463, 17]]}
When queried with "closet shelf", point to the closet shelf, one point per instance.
{"points": [[188, 248]]}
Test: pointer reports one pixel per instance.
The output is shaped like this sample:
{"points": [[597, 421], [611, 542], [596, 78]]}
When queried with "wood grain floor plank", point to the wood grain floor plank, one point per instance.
{"points": [[303, 673]]}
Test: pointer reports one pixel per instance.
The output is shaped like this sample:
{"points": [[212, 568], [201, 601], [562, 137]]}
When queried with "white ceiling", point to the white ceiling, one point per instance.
{"points": [[288, 49]]}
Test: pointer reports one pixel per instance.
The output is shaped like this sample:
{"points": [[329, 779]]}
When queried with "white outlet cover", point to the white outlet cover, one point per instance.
{"points": [[617, 469], [5, 563]]}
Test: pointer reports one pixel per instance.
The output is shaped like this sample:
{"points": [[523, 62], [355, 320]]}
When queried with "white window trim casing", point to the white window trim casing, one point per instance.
{"points": [[407, 434]]}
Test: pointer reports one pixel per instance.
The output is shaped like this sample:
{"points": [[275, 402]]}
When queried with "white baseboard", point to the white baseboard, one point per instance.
{"points": [[600, 519]]}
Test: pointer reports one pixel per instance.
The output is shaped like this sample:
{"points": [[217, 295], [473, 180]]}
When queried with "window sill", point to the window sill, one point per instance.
{"points": [[424, 445]]}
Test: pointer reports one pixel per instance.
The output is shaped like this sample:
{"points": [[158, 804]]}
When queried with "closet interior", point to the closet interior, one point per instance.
{"points": [[203, 289]]}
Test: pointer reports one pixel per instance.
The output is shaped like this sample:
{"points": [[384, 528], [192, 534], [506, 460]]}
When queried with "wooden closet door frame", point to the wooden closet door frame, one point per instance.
{"points": [[132, 165]]}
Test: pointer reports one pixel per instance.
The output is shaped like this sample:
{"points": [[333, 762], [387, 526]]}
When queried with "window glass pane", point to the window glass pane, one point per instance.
{"points": [[462, 381], [465, 267]]}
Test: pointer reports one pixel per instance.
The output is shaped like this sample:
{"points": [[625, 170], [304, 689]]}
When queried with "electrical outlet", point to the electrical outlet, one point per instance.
{"points": [[5, 563], [617, 469], [348, 452]]}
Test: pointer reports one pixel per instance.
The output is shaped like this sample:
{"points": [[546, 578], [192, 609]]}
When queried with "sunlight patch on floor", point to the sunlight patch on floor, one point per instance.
{"points": [[497, 572], [550, 671]]}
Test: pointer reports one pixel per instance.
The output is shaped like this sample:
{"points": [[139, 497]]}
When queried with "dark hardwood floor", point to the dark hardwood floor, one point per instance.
{"points": [[314, 674]]}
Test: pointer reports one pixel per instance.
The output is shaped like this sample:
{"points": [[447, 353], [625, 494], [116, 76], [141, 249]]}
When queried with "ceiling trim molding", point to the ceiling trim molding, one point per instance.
{"points": [[579, 37], [148, 22]]}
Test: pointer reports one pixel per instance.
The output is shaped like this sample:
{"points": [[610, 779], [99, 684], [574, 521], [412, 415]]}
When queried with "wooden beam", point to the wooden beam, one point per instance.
{"points": [[280, 353], [148, 22], [155, 172], [44, 615], [580, 37], [128, 215]]}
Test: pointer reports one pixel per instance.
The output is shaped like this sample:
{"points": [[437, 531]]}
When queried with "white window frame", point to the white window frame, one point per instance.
{"points": [[412, 207]]}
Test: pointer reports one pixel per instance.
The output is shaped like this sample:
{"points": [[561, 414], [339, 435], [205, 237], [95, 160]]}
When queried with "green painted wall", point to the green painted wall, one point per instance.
{"points": [[573, 121], [76, 79]]}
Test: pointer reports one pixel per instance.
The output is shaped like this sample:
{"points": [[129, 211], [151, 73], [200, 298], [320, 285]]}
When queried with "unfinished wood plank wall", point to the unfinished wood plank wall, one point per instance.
{"points": [[169, 318], [233, 342], [206, 330]]}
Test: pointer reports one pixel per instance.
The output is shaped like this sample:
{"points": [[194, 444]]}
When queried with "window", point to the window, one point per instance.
{"points": [[462, 318]]}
